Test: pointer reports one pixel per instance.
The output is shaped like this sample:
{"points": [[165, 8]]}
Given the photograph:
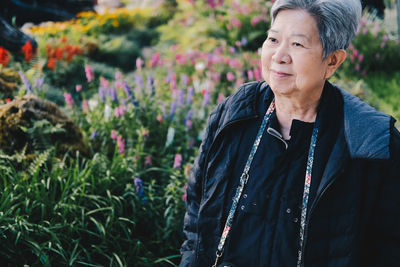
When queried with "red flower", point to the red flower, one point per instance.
{"points": [[51, 63], [4, 56], [58, 53], [27, 49], [8, 100]]}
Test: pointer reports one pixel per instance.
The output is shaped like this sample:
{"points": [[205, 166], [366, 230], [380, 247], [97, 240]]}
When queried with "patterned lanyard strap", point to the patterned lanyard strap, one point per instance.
{"points": [[245, 176]]}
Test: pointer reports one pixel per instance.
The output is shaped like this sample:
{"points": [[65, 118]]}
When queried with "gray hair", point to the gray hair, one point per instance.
{"points": [[337, 20]]}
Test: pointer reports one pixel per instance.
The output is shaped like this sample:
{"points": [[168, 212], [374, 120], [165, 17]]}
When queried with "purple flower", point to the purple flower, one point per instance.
{"points": [[94, 134], [139, 63], [102, 94], [139, 187], [206, 99], [139, 81], [127, 89], [190, 95], [173, 108], [177, 161], [184, 79], [155, 59], [39, 83], [181, 97], [189, 115], [150, 84], [191, 142], [26, 82], [113, 94], [189, 124]]}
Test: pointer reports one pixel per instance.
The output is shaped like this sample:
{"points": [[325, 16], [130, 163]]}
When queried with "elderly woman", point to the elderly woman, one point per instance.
{"points": [[294, 171]]}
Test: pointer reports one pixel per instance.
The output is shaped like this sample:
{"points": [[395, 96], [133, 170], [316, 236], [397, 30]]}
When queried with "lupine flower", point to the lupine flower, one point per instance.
{"points": [[190, 95], [230, 76], [94, 134], [150, 84], [257, 74], [139, 187], [85, 106], [118, 84], [113, 134], [145, 133], [243, 41], [104, 83], [139, 63], [121, 144], [170, 136], [39, 82], [102, 94], [238, 43], [189, 115], [378, 56], [148, 160], [191, 142], [206, 99], [118, 75], [89, 73], [26, 82], [382, 45], [113, 94], [177, 161], [365, 31], [127, 89], [139, 81], [181, 97], [357, 67], [184, 79], [78, 87], [221, 97], [119, 111], [250, 75], [159, 118], [68, 99], [255, 20], [173, 108], [107, 112], [235, 22], [155, 59], [189, 124], [360, 58], [385, 38], [184, 196]]}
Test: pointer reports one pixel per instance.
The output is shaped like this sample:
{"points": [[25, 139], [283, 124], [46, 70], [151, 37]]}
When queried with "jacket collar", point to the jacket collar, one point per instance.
{"points": [[366, 131]]}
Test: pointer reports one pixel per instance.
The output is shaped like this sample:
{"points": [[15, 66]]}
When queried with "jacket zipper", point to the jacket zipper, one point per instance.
{"points": [[205, 174], [311, 210]]}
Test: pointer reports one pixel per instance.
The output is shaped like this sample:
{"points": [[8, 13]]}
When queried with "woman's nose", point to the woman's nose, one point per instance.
{"points": [[281, 55]]}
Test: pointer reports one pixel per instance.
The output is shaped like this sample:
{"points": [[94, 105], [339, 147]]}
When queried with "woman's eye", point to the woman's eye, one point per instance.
{"points": [[272, 40], [297, 44]]}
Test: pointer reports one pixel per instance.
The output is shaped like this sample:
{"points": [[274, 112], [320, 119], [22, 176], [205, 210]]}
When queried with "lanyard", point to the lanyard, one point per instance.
{"points": [[245, 176]]}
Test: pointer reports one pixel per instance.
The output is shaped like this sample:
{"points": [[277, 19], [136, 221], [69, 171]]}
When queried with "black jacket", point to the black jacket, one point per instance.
{"points": [[355, 218]]}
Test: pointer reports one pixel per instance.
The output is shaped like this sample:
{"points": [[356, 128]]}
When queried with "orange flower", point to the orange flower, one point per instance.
{"points": [[51, 63], [27, 49], [58, 53], [4, 56]]}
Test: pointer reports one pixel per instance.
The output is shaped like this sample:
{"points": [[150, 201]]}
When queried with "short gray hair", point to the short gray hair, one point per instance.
{"points": [[337, 20]]}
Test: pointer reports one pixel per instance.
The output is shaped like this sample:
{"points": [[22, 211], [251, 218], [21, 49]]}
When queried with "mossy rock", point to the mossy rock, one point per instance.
{"points": [[39, 124]]}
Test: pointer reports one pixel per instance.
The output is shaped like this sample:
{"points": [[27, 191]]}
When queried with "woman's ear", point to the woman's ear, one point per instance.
{"points": [[334, 60]]}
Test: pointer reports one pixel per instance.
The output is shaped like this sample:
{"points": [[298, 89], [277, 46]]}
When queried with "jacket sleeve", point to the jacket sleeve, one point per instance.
{"points": [[388, 220], [193, 191]]}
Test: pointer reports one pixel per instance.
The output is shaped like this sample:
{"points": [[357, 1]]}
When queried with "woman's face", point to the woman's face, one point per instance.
{"points": [[292, 56]]}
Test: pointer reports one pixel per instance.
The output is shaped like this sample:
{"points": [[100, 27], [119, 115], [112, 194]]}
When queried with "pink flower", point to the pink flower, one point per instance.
{"points": [[68, 99], [360, 58], [118, 75], [378, 56], [238, 43], [257, 74], [250, 75], [121, 144], [89, 73], [365, 31], [159, 118], [139, 63], [85, 106], [184, 196], [385, 37], [382, 44], [155, 59], [255, 20], [351, 47], [189, 124], [230, 76], [118, 84], [104, 83], [355, 53], [235, 22], [148, 160], [78, 88], [114, 134], [357, 67], [177, 161], [145, 133], [221, 97]]}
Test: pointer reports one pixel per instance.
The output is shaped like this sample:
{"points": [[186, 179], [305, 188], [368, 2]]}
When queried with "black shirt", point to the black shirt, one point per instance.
{"points": [[268, 217]]}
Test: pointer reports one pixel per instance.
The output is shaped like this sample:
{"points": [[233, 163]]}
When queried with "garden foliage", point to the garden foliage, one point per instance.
{"points": [[140, 88]]}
